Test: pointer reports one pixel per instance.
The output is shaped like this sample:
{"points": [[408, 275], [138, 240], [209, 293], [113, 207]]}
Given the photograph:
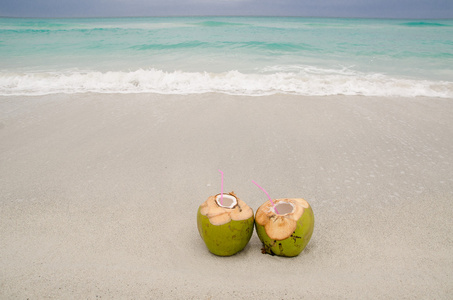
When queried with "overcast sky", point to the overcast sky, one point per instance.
{"points": [[318, 8]]}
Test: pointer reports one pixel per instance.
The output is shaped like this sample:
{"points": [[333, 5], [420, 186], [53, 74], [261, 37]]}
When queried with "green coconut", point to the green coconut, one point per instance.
{"points": [[225, 225], [287, 232]]}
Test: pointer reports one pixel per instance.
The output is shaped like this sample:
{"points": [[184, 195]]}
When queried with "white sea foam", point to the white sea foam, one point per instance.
{"points": [[296, 80]]}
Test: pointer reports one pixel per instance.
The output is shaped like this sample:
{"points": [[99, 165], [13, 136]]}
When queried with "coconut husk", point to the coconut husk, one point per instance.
{"points": [[219, 215], [279, 227]]}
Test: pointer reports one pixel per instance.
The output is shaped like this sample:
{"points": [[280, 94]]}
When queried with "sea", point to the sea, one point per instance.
{"points": [[253, 56]]}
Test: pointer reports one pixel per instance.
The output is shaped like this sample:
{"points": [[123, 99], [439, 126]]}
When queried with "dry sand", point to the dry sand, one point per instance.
{"points": [[99, 195]]}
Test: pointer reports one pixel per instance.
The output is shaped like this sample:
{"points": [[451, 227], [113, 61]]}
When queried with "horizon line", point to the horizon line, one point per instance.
{"points": [[224, 16]]}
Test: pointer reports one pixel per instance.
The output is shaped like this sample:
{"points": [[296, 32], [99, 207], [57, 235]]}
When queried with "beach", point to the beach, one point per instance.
{"points": [[99, 194]]}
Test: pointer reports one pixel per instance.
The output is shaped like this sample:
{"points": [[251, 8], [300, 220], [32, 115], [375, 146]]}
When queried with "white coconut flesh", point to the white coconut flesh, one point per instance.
{"points": [[226, 201], [281, 225], [283, 208], [221, 212]]}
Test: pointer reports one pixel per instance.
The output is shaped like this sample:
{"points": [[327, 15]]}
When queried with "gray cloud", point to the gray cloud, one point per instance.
{"points": [[322, 8]]}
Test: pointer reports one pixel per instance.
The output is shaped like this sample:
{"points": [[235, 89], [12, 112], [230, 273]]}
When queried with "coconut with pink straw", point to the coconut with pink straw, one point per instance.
{"points": [[285, 225], [225, 223]]}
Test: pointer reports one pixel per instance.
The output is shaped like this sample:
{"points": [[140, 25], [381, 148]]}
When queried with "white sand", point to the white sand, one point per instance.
{"points": [[99, 195]]}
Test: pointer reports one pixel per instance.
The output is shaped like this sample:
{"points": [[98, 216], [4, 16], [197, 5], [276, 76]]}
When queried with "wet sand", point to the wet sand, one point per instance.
{"points": [[99, 195]]}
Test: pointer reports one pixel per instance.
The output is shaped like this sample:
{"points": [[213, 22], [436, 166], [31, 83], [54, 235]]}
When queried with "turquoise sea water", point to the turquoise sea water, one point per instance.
{"points": [[234, 55]]}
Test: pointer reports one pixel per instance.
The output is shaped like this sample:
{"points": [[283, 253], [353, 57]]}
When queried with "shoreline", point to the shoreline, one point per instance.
{"points": [[100, 193]]}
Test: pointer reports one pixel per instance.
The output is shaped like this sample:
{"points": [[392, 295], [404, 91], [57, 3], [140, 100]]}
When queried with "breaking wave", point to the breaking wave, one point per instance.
{"points": [[297, 81]]}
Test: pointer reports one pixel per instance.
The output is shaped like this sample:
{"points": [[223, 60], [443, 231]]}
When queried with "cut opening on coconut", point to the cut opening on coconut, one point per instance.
{"points": [[283, 208], [228, 201]]}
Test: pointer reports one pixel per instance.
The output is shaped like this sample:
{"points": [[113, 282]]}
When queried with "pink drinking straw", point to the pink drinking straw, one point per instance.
{"points": [[221, 190], [267, 196]]}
